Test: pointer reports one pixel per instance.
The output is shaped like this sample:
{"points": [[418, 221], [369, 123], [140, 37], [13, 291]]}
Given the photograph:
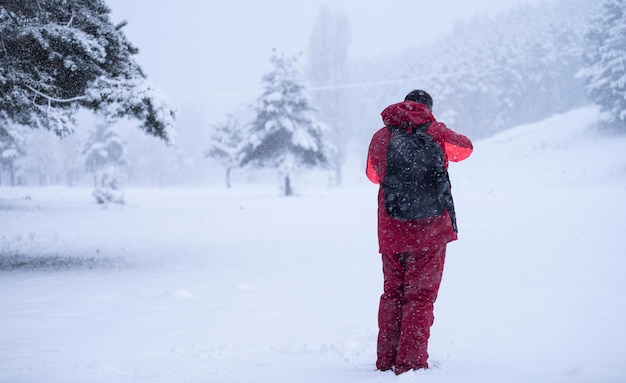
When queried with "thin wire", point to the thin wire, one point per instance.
{"points": [[441, 76]]}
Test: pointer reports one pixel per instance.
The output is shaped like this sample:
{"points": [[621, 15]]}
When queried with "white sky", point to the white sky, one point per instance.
{"points": [[215, 53]]}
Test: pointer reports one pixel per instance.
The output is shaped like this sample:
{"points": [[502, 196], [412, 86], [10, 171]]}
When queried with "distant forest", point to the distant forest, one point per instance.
{"points": [[488, 74]]}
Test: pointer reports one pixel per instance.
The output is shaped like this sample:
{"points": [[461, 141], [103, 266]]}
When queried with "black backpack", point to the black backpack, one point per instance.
{"points": [[416, 184]]}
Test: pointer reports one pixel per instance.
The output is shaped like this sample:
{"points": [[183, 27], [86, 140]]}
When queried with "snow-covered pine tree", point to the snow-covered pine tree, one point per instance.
{"points": [[224, 143], [285, 134], [70, 157], [327, 69], [104, 156], [605, 56], [57, 56], [11, 148]]}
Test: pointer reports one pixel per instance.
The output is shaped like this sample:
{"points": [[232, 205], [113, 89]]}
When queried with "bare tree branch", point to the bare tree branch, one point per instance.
{"points": [[71, 19], [50, 98]]}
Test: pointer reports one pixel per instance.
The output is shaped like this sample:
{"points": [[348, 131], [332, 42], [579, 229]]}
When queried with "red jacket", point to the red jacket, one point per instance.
{"points": [[395, 236]]}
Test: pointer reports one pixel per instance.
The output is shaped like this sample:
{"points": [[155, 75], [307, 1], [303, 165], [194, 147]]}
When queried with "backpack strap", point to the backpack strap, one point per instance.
{"points": [[411, 128], [423, 127], [394, 128]]}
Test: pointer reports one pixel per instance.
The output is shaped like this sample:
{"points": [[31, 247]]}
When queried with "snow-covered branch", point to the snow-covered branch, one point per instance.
{"points": [[71, 19], [50, 98]]}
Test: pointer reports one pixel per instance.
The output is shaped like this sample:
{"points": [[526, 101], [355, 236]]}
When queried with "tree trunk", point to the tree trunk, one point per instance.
{"points": [[338, 176], [228, 177], [288, 190], [69, 178], [12, 173]]}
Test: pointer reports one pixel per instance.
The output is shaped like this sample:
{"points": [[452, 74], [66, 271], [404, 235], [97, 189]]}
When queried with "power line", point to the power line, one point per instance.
{"points": [[483, 72]]}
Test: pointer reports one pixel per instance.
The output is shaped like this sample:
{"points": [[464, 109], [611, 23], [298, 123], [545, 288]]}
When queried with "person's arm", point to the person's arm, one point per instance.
{"points": [[370, 172], [377, 155], [457, 146]]}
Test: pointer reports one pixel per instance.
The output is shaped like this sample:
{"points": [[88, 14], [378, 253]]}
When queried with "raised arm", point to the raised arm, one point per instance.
{"points": [[457, 146]]}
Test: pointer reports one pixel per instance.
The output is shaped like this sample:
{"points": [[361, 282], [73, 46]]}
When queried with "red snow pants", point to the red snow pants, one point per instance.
{"points": [[405, 314]]}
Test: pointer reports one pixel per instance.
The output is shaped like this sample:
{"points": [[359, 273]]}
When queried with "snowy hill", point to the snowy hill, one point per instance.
{"points": [[215, 285], [563, 150]]}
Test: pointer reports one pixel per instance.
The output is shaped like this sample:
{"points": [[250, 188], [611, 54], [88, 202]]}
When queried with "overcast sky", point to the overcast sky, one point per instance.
{"points": [[215, 52]]}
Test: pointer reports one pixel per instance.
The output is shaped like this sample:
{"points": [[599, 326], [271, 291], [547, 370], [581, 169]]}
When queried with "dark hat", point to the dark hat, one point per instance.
{"points": [[420, 96]]}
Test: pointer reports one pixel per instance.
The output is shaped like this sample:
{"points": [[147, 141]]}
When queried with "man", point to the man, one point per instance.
{"points": [[413, 251]]}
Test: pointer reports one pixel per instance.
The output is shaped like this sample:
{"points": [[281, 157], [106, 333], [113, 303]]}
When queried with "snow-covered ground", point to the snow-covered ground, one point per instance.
{"points": [[216, 285]]}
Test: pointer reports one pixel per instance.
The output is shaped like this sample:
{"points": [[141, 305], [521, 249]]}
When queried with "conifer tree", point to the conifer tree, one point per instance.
{"points": [[285, 133], [11, 148], [327, 70], [605, 55], [57, 56], [224, 144], [104, 156]]}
